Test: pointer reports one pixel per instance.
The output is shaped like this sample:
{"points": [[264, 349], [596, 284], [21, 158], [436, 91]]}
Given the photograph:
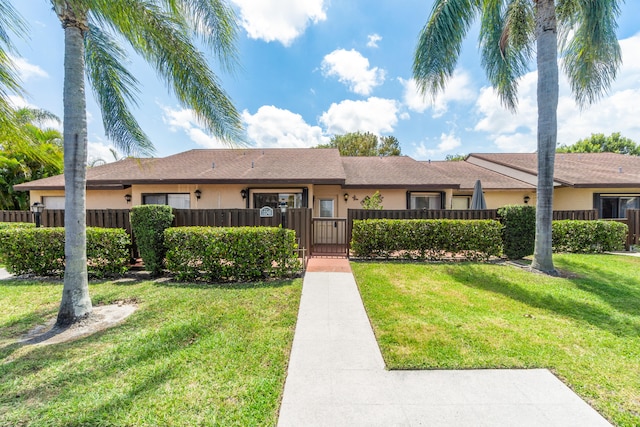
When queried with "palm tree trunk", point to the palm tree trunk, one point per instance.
{"points": [[76, 302], [547, 60]]}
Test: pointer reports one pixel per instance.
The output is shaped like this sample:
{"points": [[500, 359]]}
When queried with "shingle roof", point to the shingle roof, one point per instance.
{"points": [[466, 174], [393, 172], [287, 166], [577, 169]]}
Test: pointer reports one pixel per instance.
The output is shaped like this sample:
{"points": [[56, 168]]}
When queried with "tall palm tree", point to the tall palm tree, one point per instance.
{"points": [[512, 32], [164, 33]]}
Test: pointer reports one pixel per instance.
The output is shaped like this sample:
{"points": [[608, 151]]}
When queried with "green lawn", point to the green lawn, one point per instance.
{"points": [[585, 328], [190, 355]]}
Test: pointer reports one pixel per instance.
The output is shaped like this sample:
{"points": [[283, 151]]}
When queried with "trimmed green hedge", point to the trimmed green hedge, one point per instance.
{"points": [[519, 230], [40, 251], [236, 253], [16, 225], [588, 236], [148, 223], [433, 239]]}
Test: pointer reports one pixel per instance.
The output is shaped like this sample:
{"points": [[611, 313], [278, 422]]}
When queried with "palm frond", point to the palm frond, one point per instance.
{"points": [[10, 21], [35, 116], [114, 87], [164, 42], [592, 57], [440, 42], [506, 41], [214, 22]]}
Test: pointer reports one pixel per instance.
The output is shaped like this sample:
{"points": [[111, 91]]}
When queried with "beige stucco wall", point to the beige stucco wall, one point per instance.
{"points": [[215, 196]]}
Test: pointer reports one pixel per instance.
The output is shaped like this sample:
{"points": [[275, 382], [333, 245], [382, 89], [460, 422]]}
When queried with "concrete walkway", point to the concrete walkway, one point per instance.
{"points": [[337, 377], [4, 274]]}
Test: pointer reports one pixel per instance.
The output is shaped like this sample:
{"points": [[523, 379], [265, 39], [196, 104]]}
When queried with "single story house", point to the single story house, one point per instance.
{"points": [[329, 184]]}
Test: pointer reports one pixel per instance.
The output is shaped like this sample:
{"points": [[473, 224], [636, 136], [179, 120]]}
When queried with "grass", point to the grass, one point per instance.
{"points": [[190, 355], [584, 327]]}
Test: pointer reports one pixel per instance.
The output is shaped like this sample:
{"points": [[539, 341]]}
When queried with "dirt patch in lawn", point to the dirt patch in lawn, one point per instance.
{"points": [[102, 317]]}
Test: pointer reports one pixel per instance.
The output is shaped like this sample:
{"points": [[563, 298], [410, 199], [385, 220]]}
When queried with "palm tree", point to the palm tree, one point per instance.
{"points": [[511, 33], [163, 32]]}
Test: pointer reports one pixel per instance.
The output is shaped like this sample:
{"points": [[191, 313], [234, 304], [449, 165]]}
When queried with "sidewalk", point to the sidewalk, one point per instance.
{"points": [[4, 274], [336, 375]]}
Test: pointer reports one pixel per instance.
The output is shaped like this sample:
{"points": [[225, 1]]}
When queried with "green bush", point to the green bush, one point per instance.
{"points": [[588, 236], [148, 223], [40, 251], [519, 230], [16, 225], [224, 254], [432, 239]]}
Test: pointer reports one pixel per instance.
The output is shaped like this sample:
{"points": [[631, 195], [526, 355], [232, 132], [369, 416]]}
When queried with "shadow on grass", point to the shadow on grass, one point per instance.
{"points": [[618, 290], [147, 361], [227, 285], [564, 305]]}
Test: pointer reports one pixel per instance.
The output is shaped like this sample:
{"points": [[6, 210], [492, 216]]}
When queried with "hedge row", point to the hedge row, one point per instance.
{"points": [[4, 225], [241, 253], [432, 239], [40, 251], [588, 236], [480, 239]]}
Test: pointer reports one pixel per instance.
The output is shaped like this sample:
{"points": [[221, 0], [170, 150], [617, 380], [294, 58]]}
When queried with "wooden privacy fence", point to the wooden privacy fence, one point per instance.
{"points": [[633, 222], [296, 219]]}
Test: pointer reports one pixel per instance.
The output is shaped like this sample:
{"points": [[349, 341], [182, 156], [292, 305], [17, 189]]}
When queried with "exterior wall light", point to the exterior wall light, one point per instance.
{"points": [[198, 194], [243, 193], [127, 197], [526, 200], [37, 209], [346, 197]]}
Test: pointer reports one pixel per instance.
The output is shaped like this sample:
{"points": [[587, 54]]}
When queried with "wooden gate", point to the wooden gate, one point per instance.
{"points": [[330, 237]]}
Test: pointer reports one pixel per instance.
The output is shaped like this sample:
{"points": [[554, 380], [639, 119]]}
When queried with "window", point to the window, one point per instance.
{"points": [[175, 200], [460, 202], [293, 200], [616, 205], [426, 201], [326, 208], [53, 202]]}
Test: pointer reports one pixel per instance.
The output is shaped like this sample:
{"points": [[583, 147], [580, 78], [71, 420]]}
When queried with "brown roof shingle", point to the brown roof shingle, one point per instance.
{"points": [[578, 169]]}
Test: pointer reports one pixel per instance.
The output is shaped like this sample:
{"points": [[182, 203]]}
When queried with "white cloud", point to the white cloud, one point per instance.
{"points": [[458, 89], [272, 127], [375, 115], [184, 119], [373, 40], [447, 143], [279, 20], [26, 70], [99, 153], [352, 69], [615, 112]]}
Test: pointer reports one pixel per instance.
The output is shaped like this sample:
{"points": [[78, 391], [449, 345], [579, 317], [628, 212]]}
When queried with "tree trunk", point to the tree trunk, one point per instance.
{"points": [[547, 60], [76, 302]]}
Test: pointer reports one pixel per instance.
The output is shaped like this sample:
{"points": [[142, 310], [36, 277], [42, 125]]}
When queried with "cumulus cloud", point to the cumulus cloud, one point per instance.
{"points": [[279, 20], [99, 153], [375, 115], [272, 127], [458, 89], [615, 112], [352, 69], [26, 70], [447, 143], [373, 40], [184, 119]]}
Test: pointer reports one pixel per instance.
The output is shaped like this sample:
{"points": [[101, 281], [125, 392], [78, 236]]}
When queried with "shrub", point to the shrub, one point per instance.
{"points": [[148, 223], [40, 251], [518, 231], [588, 236], [426, 239], [238, 253], [16, 225]]}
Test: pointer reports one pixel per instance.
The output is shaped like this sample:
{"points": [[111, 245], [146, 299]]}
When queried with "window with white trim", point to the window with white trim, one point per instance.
{"points": [[326, 208], [426, 201], [175, 200]]}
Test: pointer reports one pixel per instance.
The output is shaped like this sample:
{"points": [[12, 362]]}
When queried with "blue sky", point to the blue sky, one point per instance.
{"points": [[309, 69]]}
